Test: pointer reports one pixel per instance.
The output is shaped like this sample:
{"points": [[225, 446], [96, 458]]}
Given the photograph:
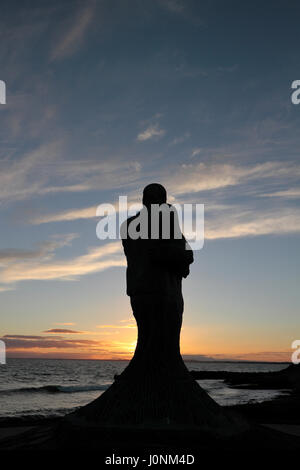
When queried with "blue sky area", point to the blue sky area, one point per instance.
{"points": [[105, 97]]}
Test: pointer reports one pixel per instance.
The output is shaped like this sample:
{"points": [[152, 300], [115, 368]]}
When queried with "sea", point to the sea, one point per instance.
{"points": [[48, 388]]}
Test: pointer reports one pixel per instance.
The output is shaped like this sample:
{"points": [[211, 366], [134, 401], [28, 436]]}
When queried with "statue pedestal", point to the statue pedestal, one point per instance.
{"points": [[156, 389]]}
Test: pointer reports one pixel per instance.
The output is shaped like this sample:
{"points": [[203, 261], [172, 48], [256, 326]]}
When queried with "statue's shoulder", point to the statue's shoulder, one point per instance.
{"points": [[125, 225]]}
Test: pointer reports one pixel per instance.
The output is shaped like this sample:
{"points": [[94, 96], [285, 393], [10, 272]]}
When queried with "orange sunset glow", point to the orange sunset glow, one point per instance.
{"points": [[118, 341]]}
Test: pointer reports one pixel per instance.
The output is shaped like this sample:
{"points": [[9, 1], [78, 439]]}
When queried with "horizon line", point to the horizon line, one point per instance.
{"points": [[185, 360]]}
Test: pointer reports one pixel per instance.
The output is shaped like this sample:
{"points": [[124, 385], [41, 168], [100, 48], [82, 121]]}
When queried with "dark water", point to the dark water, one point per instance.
{"points": [[52, 387]]}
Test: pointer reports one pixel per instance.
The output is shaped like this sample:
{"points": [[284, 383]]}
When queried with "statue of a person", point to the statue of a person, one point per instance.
{"points": [[156, 388], [155, 268]]}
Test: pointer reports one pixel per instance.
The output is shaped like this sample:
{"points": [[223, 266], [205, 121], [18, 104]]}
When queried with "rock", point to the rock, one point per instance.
{"points": [[288, 378]]}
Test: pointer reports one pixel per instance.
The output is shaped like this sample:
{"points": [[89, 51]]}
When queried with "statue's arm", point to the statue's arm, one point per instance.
{"points": [[174, 255]]}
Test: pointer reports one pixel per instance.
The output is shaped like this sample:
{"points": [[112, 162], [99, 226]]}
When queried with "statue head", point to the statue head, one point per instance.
{"points": [[154, 193]]}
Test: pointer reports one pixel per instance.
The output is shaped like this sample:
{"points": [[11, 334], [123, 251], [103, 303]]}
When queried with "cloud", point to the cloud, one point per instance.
{"points": [[62, 331], [192, 178], [26, 176], [44, 250], [196, 151], [16, 342], [10, 254], [228, 69], [61, 347], [197, 357], [253, 223], [6, 288], [175, 6], [234, 220], [229, 220], [67, 331], [33, 173], [150, 132], [179, 140], [73, 37], [116, 326], [196, 177], [46, 268], [77, 214], [29, 337], [67, 215], [293, 193], [268, 356]]}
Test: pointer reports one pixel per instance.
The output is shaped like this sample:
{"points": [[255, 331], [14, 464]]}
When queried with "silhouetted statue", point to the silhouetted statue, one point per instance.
{"points": [[154, 277], [156, 389]]}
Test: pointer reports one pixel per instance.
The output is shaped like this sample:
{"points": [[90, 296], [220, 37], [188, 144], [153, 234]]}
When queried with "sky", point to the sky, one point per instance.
{"points": [[105, 97]]}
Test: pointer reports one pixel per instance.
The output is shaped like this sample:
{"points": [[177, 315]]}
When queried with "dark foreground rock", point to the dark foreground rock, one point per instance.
{"points": [[284, 409], [60, 435], [132, 441], [288, 378]]}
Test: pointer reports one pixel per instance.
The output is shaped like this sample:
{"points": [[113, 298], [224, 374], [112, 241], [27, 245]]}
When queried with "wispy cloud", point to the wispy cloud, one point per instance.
{"points": [[253, 223], [175, 6], [196, 151], [63, 216], [116, 326], [293, 193], [62, 331], [47, 268], [73, 37], [26, 176], [77, 214], [193, 178], [6, 288], [151, 132], [45, 342], [222, 220], [35, 173], [181, 139], [44, 251], [58, 345], [234, 221], [269, 356]]}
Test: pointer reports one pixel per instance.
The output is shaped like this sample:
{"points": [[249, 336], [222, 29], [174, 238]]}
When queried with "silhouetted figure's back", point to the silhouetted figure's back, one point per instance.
{"points": [[154, 276], [156, 388], [155, 266]]}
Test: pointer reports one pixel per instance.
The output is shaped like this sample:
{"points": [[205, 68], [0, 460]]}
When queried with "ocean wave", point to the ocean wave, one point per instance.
{"points": [[57, 389], [33, 417]]}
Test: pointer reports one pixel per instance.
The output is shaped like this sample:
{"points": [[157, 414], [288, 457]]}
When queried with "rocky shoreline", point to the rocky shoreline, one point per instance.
{"points": [[281, 415], [285, 379]]}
